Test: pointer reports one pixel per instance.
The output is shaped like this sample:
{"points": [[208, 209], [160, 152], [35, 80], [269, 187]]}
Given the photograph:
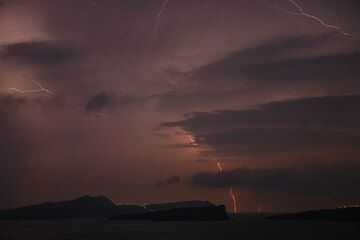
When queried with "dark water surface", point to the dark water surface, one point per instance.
{"points": [[243, 228]]}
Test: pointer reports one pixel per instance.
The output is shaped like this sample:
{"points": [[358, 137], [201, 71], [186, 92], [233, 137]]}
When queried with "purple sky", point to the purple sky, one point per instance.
{"points": [[118, 86]]}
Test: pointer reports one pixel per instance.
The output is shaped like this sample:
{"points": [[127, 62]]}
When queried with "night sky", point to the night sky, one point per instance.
{"points": [[139, 100]]}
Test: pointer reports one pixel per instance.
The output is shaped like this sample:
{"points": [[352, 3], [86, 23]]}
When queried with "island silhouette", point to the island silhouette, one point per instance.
{"points": [[102, 207], [338, 214]]}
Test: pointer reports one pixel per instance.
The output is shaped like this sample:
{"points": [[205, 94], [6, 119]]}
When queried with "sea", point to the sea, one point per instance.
{"points": [[242, 227]]}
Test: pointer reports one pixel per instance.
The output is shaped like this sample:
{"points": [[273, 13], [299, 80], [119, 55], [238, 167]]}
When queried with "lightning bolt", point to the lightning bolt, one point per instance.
{"points": [[219, 166], [231, 192], [192, 141], [259, 209], [39, 88], [315, 18], [232, 195], [283, 10], [157, 22]]}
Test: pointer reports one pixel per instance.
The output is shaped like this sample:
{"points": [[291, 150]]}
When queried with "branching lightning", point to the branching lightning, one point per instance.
{"points": [[157, 22], [39, 88], [315, 18]]}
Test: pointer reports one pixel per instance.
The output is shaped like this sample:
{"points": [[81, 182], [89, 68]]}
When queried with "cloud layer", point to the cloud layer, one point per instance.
{"points": [[315, 180]]}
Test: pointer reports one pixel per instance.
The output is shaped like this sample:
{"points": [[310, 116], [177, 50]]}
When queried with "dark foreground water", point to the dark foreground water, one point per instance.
{"points": [[245, 227]]}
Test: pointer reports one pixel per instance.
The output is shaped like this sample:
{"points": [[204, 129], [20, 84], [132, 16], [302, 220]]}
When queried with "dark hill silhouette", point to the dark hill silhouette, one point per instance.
{"points": [[212, 213], [84, 207], [339, 214], [87, 207]]}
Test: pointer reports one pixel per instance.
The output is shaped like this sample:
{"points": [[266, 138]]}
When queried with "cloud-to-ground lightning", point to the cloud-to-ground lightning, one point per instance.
{"points": [[259, 209], [219, 166], [232, 195], [158, 18], [301, 12], [231, 191]]}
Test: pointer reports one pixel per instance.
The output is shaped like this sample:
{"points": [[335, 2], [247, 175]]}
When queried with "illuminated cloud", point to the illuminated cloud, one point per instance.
{"points": [[308, 124]]}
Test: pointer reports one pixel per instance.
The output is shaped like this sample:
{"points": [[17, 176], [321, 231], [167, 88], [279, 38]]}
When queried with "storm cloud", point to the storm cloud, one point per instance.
{"points": [[40, 52], [316, 180], [279, 65], [105, 100], [256, 88], [322, 123]]}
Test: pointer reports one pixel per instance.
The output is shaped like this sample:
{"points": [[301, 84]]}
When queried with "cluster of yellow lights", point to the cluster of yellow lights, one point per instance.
{"points": [[350, 206]]}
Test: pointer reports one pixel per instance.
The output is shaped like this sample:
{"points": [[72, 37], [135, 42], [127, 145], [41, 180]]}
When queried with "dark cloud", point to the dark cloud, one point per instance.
{"points": [[100, 101], [169, 181], [282, 64], [311, 123], [193, 100], [289, 47], [277, 141], [105, 100], [40, 52], [326, 71], [321, 111], [316, 180]]}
